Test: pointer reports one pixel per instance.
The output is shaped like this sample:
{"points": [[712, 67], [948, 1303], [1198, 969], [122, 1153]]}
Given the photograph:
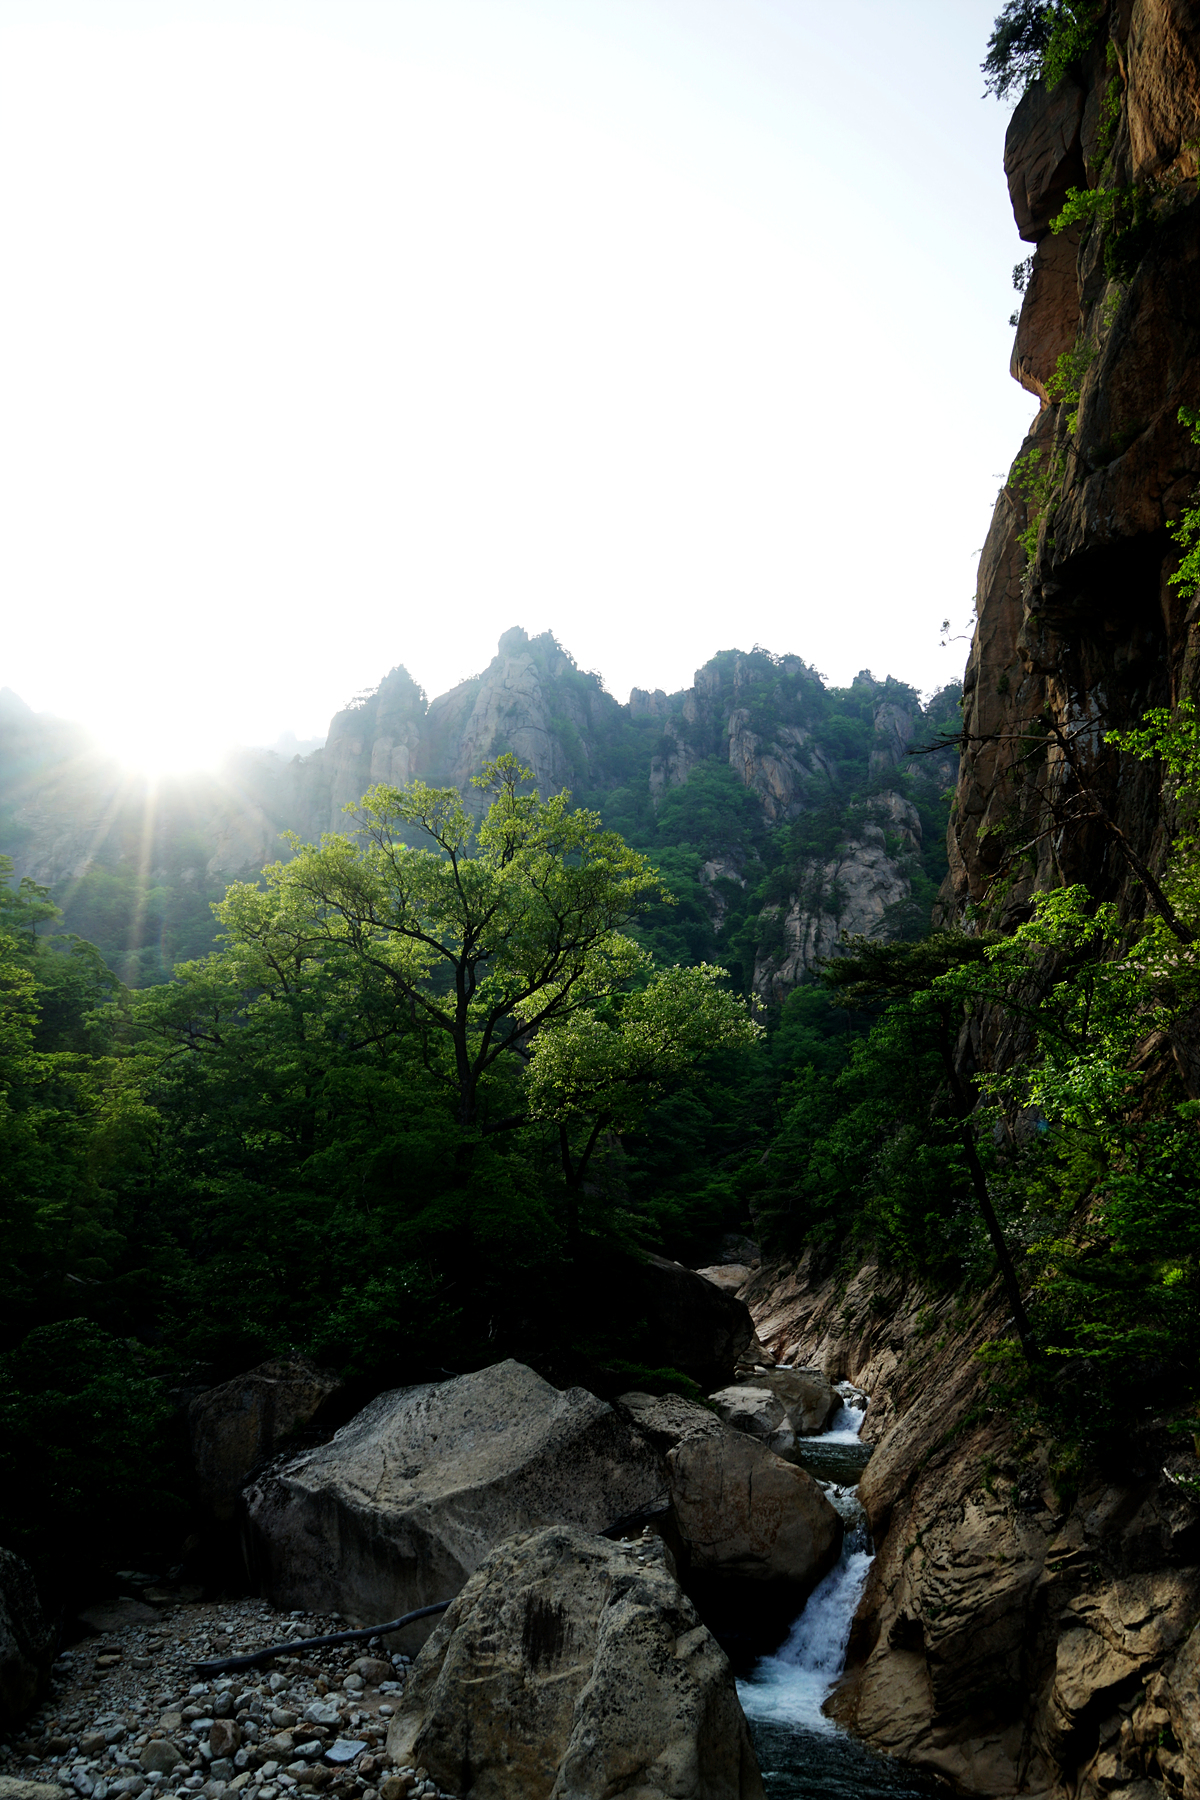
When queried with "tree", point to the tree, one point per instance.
{"points": [[602, 1068], [493, 935]]}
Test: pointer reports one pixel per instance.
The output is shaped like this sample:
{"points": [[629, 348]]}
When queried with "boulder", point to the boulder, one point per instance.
{"points": [[729, 1276], [407, 1499], [667, 1419], [241, 1424], [698, 1328], [26, 1641], [571, 1666], [812, 1403], [750, 1408], [13, 1788], [743, 1512]]}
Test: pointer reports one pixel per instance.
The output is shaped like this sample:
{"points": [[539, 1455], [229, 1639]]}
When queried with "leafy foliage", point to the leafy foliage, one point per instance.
{"points": [[1033, 39]]}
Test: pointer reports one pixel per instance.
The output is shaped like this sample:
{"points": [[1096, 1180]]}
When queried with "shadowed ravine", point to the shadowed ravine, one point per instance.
{"points": [[804, 1755]]}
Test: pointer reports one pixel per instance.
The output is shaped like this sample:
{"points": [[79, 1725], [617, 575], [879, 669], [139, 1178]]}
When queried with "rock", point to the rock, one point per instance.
{"points": [[159, 1755], [91, 1742], [668, 1418], [281, 1716], [755, 1410], [322, 1712], [700, 1330], [396, 1787], [344, 1750], [729, 1276], [26, 1642], [13, 1788], [565, 1669], [171, 1722], [409, 1497], [225, 1737], [811, 1402], [744, 1513], [373, 1670], [239, 1425]]}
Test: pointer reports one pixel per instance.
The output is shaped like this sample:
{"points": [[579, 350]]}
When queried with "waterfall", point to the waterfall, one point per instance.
{"points": [[791, 1686]]}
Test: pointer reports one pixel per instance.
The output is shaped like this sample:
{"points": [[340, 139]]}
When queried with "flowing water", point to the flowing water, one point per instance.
{"points": [[804, 1755]]}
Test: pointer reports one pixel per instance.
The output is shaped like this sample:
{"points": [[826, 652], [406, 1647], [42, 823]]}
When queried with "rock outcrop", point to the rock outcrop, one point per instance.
{"points": [[861, 889], [570, 1668], [26, 1641], [1005, 1641], [243, 1423], [405, 1501]]}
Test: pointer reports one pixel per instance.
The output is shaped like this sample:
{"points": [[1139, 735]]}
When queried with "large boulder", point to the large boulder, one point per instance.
{"points": [[243, 1423], [407, 1499], [748, 1407], [698, 1328], [810, 1400], [26, 1641], [571, 1666], [758, 1533]]}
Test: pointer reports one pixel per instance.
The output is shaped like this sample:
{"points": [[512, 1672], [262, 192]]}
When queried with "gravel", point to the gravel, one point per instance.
{"points": [[127, 1718]]}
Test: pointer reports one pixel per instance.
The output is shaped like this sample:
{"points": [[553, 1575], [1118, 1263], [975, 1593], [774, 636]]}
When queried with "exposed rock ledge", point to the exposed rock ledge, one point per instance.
{"points": [[1005, 1644]]}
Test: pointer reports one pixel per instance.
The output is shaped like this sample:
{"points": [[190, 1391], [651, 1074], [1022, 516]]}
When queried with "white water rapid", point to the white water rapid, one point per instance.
{"points": [[804, 1755]]}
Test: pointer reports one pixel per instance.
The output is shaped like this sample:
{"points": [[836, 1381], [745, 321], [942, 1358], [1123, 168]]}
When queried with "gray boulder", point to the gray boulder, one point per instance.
{"points": [[244, 1422], [407, 1499], [26, 1641], [744, 1513], [573, 1667], [666, 1419]]}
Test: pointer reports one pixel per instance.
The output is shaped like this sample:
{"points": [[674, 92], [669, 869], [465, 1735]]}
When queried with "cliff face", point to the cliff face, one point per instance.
{"points": [[1079, 629]]}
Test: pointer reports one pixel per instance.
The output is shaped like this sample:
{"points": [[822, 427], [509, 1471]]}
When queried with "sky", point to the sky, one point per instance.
{"points": [[337, 334]]}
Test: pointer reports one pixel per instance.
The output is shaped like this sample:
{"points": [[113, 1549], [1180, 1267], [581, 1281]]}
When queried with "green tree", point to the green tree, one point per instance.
{"points": [[495, 934]]}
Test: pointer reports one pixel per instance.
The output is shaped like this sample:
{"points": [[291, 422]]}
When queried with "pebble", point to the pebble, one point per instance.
{"points": [[127, 1719]]}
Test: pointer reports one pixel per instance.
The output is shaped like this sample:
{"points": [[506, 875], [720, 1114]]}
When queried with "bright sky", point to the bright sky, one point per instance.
{"points": [[342, 333]]}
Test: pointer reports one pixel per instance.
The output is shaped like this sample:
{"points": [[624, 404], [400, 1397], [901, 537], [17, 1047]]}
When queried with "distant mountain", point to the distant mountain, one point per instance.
{"points": [[782, 811]]}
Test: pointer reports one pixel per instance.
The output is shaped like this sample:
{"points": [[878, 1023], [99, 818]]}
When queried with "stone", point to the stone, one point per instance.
{"points": [[26, 1642], [159, 1755], [344, 1750], [282, 1716], [13, 1788], [699, 1329], [565, 1669], [239, 1425], [408, 1499], [225, 1737], [373, 1670], [668, 1418], [744, 1513], [755, 1410], [92, 1742], [729, 1276], [808, 1396], [396, 1787], [322, 1712]]}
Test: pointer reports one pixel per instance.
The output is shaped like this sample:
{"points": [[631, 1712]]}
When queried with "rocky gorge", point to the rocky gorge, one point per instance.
{"points": [[616, 1555]]}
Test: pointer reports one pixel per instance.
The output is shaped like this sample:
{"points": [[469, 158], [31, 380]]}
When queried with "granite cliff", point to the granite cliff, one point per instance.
{"points": [[788, 811]]}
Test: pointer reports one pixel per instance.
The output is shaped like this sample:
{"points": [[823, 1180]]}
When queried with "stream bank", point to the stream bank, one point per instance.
{"points": [[1004, 1640]]}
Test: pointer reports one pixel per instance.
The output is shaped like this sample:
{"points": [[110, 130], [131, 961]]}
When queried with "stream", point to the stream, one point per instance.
{"points": [[802, 1754]]}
